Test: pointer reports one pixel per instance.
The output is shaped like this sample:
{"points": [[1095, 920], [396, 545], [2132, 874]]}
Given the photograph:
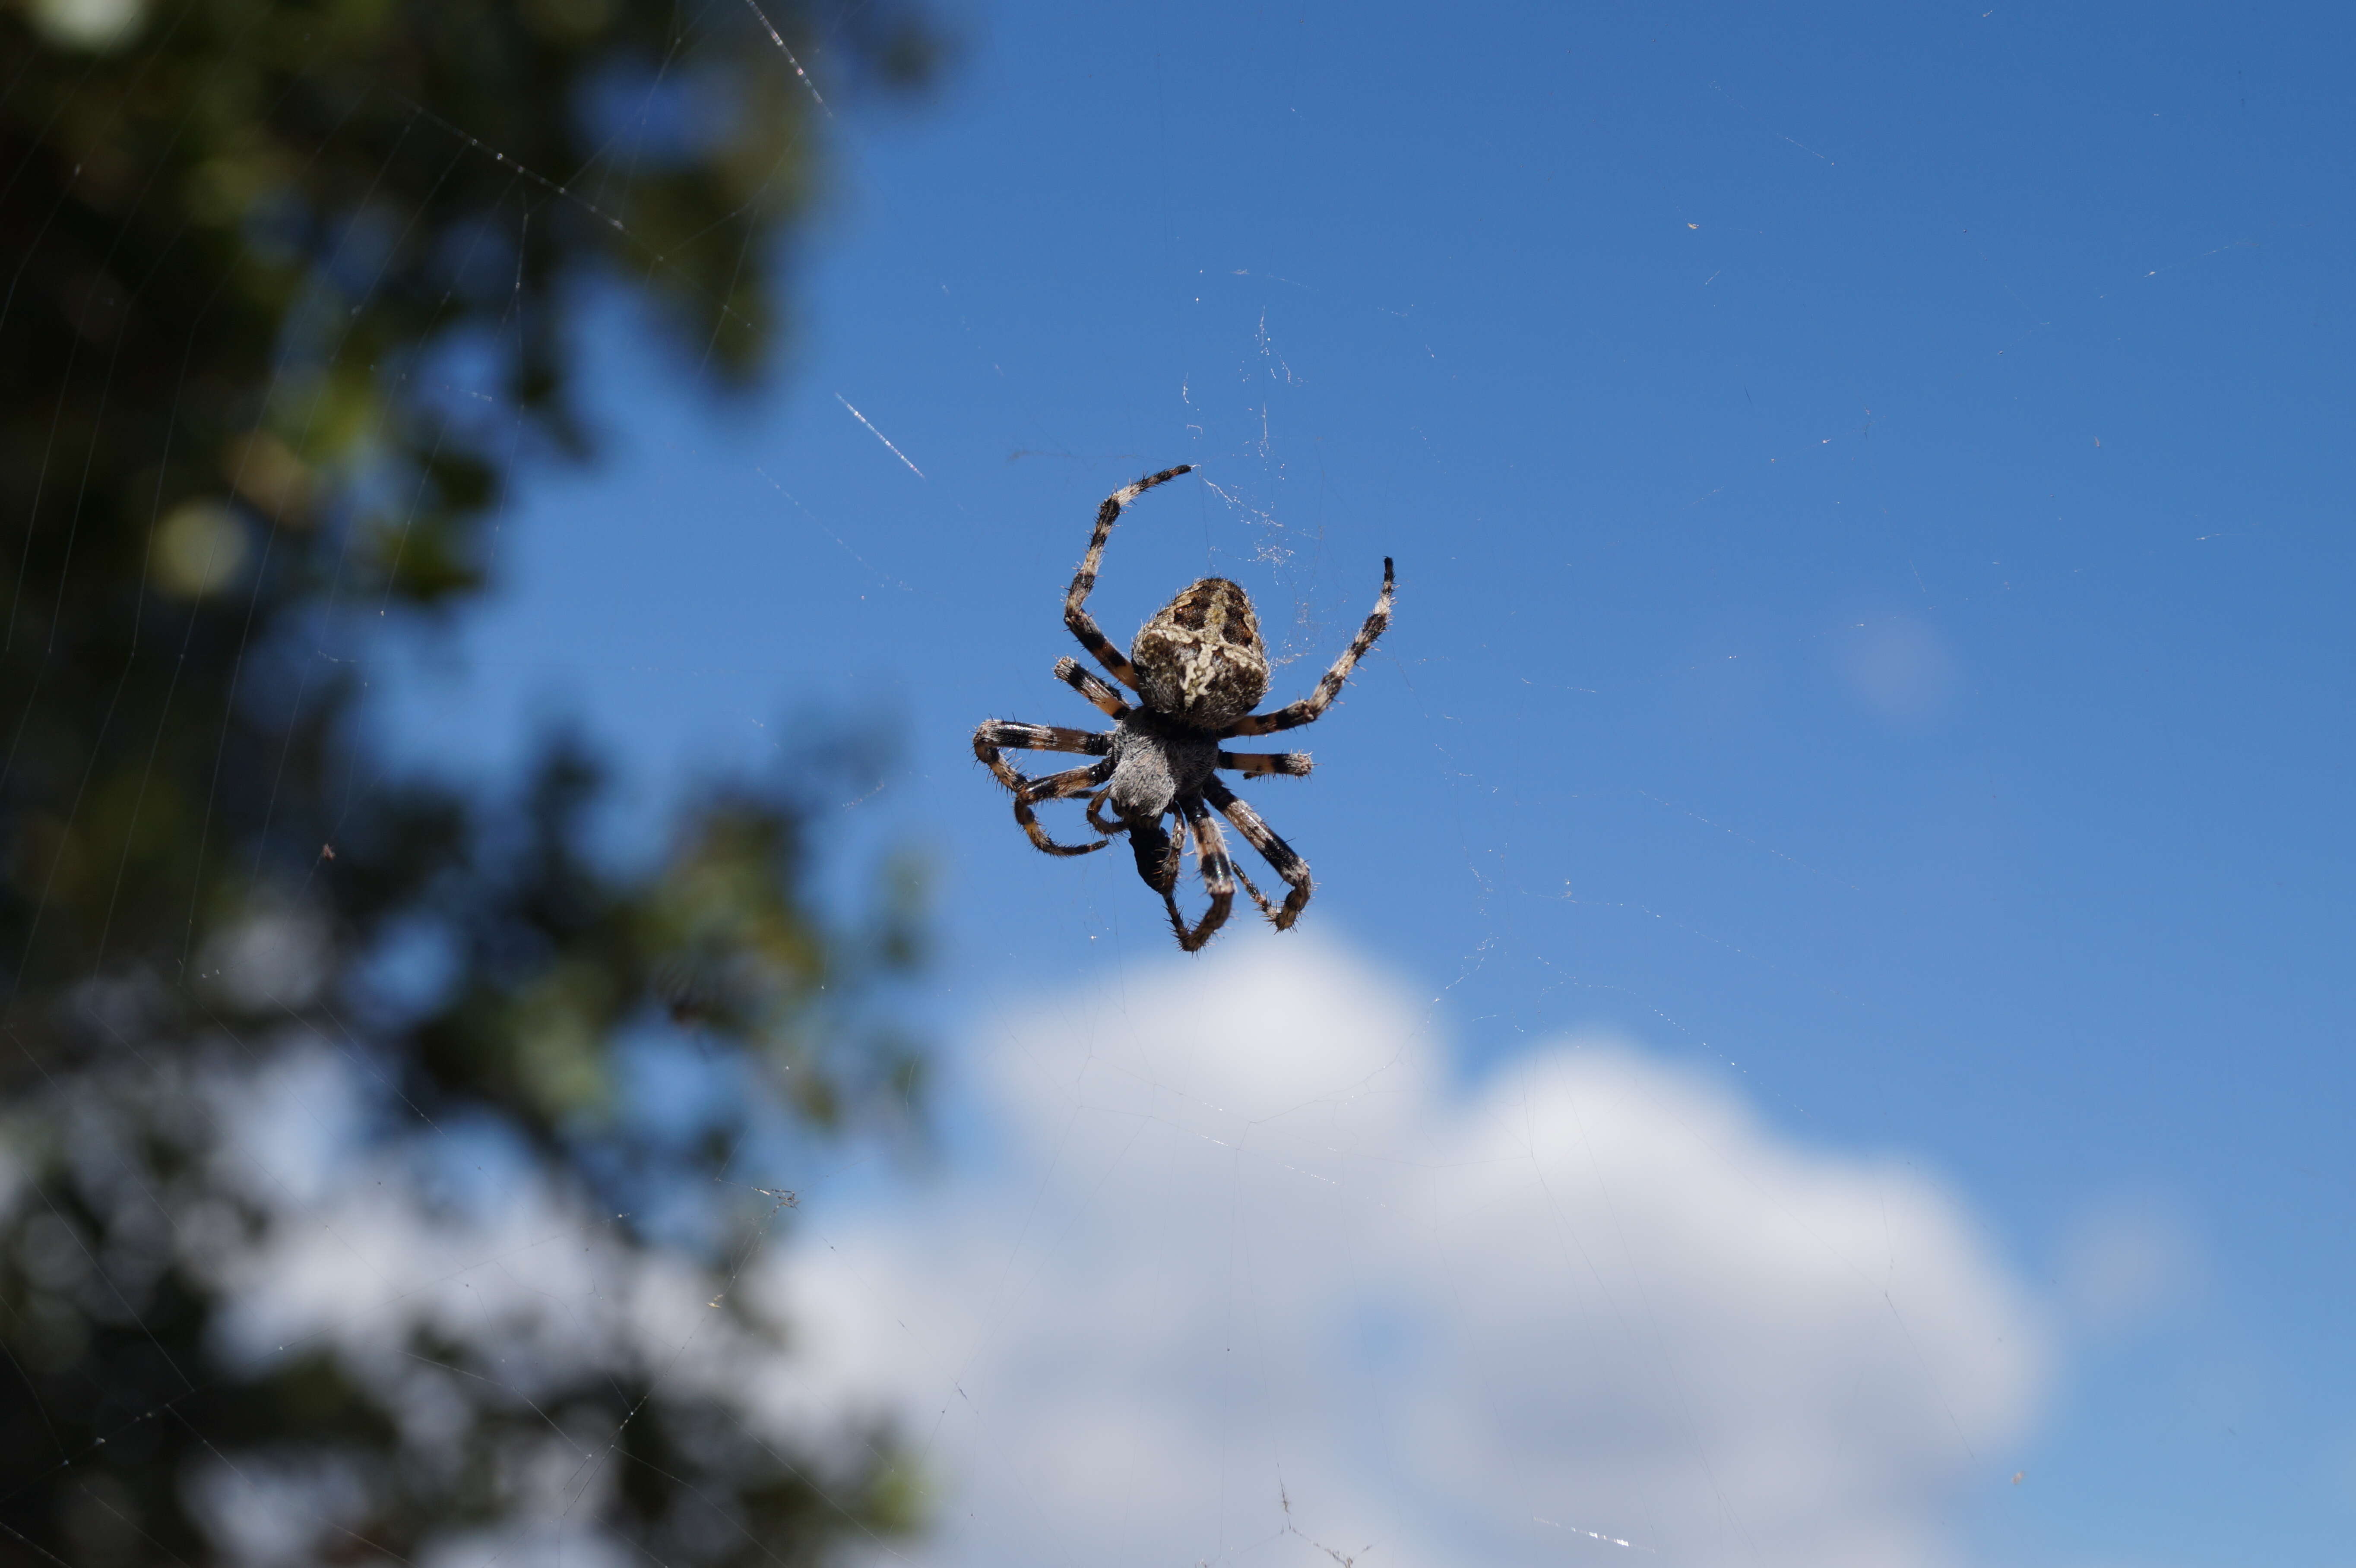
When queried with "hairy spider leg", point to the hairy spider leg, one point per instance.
{"points": [[1310, 707], [1091, 685], [996, 733], [999, 733], [1273, 849], [1259, 764], [1258, 897], [1252, 888], [989, 736], [1065, 786], [1160, 854], [1059, 786], [1109, 828], [1219, 879], [1084, 580]]}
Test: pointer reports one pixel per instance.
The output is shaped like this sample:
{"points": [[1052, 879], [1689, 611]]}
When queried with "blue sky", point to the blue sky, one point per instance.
{"points": [[1870, 489]]}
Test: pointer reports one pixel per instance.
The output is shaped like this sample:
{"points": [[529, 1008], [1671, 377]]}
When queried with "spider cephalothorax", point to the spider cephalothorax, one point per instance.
{"points": [[1199, 669]]}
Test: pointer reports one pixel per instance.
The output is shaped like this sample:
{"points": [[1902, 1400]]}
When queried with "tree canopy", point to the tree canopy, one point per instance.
{"points": [[289, 285]]}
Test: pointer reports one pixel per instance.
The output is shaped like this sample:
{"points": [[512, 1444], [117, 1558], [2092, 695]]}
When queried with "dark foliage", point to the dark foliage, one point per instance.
{"points": [[249, 247]]}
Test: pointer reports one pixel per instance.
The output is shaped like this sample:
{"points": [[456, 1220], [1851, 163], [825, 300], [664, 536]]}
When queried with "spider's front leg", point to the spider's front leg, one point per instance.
{"points": [[993, 733], [998, 733], [1084, 579], [1110, 826], [1059, 786]]}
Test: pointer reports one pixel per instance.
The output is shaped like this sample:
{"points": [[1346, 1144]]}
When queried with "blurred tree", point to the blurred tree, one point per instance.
{"points": [[286, 284]]}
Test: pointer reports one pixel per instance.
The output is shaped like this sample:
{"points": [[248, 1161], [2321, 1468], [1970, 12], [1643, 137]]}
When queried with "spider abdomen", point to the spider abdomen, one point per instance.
{"points": [[1200, 662]]}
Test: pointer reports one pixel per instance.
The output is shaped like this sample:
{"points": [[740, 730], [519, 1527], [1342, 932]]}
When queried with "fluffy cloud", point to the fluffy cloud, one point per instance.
{"points": [[1247, 1277], [1235, 1270]]}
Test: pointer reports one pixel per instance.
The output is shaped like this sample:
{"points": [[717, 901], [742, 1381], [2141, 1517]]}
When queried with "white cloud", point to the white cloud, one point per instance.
{"points": [[361, 1263], [1245, 1242], [1242, 1241]]}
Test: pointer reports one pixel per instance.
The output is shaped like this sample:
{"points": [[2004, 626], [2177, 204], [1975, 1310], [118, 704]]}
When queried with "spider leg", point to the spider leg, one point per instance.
{"points": [[989, 735], [1012, 734], [1065, 784], [1255, 764], [1219, 879], [1107, 828], [1072, 673], [1174, 857], [1310, 707], [1273, 849], [1059, 786], [999, 733], [1084, 580], [1258, 897]]}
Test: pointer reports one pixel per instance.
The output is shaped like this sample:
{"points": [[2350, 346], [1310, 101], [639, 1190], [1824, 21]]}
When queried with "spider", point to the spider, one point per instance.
{"points": [[1198, 668]]}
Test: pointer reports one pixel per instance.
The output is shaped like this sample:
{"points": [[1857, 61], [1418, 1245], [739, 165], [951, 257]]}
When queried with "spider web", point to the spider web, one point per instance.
{"points": [[1533, 1202]]}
